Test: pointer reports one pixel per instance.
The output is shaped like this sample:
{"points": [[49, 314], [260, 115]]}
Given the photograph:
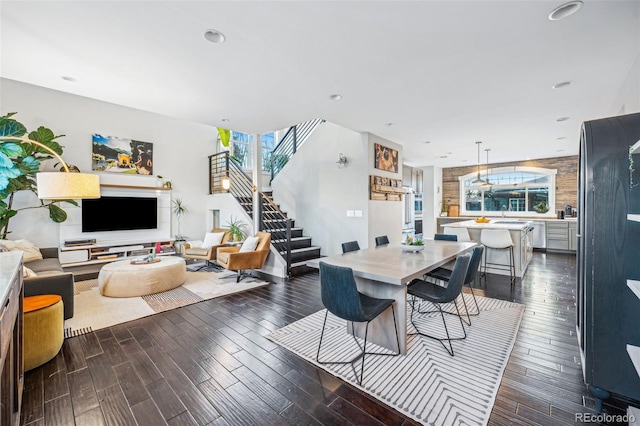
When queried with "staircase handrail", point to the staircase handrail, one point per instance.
{"points": [[241, 186], [293, 139]]}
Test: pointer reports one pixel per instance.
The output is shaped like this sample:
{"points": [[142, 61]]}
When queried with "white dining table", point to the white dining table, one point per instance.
{"points": [[384, 272]]}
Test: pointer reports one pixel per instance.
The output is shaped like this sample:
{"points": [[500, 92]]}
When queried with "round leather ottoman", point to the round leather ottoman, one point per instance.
{"points": [[43, 329], [123, 279]]}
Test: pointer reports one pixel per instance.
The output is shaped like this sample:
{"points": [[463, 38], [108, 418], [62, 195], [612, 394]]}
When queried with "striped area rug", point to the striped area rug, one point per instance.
{"points": [[427, 384], [92, 311]]}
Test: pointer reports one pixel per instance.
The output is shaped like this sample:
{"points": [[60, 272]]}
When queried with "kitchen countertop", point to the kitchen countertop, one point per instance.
{"points": [[9, 267], [494, 224], [533, 218]]}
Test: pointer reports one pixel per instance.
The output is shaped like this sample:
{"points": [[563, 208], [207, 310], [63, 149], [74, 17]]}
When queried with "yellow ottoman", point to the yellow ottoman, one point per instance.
{"points": [[43, 329]]}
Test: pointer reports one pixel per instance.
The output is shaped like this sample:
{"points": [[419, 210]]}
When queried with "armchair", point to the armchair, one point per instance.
{"points": [[192, 249], [232, 259]]}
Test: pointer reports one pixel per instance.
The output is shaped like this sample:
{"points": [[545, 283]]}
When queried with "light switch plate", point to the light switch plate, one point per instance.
{"points": [[358, 213], [349, 213]]}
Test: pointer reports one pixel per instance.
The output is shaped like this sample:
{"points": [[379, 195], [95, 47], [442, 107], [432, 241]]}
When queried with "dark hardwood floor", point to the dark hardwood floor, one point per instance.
{"points": [[209, 363]]}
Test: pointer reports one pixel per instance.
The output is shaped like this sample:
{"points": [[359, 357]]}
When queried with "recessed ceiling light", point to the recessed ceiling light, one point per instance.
{"points": [[562, 119], [214, 36], [562, 85], [560, 150], [335, 97], [226, 120], [390, 124], [560, 138], [69, 78], [426, 142], [565, 10], [443, 156]]}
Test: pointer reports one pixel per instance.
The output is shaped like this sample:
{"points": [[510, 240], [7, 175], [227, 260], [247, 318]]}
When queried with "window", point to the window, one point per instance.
{"points": [[517, 190], [242, 149]]}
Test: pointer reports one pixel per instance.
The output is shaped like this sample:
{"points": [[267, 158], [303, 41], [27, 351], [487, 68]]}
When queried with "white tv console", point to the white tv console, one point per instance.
{"points": [[103, 252]]}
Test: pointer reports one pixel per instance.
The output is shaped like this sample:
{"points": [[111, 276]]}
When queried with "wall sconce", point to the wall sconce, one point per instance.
{"points": [[226, 183], [342, 161]]}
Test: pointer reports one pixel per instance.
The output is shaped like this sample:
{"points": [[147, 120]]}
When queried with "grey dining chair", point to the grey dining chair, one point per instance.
{"points": [[444, 274], [439, 295], [382, 240], [341, 297], [445, 237], [350, 246]]}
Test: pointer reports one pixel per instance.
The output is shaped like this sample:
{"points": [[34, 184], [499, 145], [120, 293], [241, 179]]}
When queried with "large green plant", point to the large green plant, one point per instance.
{"points": [[19, 163], [225, 136], [237, 229]]}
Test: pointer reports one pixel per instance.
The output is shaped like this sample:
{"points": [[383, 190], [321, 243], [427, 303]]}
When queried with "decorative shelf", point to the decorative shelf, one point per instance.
{"points": [[155, 188], [634, 286], [634, 354], [633, 217], [635, 149], [385, 189]]}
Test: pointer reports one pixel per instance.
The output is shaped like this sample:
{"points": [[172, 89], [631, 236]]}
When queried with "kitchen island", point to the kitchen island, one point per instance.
{"points": [[521, 234]]}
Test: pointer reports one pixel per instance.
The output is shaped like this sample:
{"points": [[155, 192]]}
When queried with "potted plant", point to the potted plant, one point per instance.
{"points": [[19, 163], [541, 207], [237, 229], [179, 209]]}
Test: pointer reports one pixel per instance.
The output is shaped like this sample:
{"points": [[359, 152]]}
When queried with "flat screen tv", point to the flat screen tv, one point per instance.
{"points": [[119, 214]]}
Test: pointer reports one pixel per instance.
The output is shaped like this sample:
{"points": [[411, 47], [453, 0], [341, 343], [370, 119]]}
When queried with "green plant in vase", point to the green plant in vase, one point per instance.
{"points": [[541, 207], [179, 210], [237, 229]]}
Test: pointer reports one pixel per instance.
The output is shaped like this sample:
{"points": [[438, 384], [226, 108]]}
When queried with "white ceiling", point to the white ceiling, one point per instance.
{"points": [[448, 72]]}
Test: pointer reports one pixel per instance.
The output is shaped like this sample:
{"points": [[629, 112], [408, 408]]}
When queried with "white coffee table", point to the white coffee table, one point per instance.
{"points": [[123, 279]]}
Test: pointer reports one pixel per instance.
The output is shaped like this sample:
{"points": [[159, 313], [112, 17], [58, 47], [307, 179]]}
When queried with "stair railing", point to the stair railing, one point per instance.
{"points": [[271, 218], [289, 144]]}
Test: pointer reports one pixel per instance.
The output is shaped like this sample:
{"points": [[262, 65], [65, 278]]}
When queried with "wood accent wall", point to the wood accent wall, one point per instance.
{"points": [[566, 179]]}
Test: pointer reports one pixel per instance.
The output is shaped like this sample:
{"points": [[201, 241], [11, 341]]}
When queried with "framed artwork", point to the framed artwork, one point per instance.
{"points": [[386, 158], [120, 155]]}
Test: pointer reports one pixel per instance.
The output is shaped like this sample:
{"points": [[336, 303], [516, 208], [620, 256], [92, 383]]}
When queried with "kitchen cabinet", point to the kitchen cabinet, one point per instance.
{"points": [[407, 175], [416, 180], [558, 235], [11, 352], [572, 236]]}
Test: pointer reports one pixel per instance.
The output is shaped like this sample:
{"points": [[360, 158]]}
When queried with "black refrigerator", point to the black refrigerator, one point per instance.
{"points": [[608, 257]]}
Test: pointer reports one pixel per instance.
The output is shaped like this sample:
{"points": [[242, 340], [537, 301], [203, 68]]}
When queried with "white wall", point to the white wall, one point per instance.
{"points": [[180, 152], [385, 217], [317, 194], [628, 99]]}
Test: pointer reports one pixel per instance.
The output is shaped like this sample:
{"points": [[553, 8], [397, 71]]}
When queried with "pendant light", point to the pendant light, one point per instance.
{"points": [[477, 179], [487, 178]]}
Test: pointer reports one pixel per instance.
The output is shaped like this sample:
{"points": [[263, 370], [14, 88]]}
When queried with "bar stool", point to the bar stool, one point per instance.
{"points": [[461, 233], [498, 239]]}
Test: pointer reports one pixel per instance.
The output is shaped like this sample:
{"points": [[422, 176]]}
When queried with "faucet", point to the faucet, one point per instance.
{"points": [[504, 209]]}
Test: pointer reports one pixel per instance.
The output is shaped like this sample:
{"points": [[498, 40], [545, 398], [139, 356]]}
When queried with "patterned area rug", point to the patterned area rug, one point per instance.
{"points": [[92, 311], [427, 384]]}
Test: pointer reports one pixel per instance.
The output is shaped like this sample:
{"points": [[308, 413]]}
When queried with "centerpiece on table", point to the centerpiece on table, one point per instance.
{"points": [[412, 244]]}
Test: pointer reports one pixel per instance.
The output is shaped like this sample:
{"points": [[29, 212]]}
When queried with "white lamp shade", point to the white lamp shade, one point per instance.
{"points": [[67, 186]]}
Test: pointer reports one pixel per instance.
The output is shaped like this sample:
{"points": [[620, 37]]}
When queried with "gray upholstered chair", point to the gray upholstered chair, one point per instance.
{"points": [[382, 240], [444, 274], [445, 237], [350, 246], [50, 279], [341, 297], [439, 295]]}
